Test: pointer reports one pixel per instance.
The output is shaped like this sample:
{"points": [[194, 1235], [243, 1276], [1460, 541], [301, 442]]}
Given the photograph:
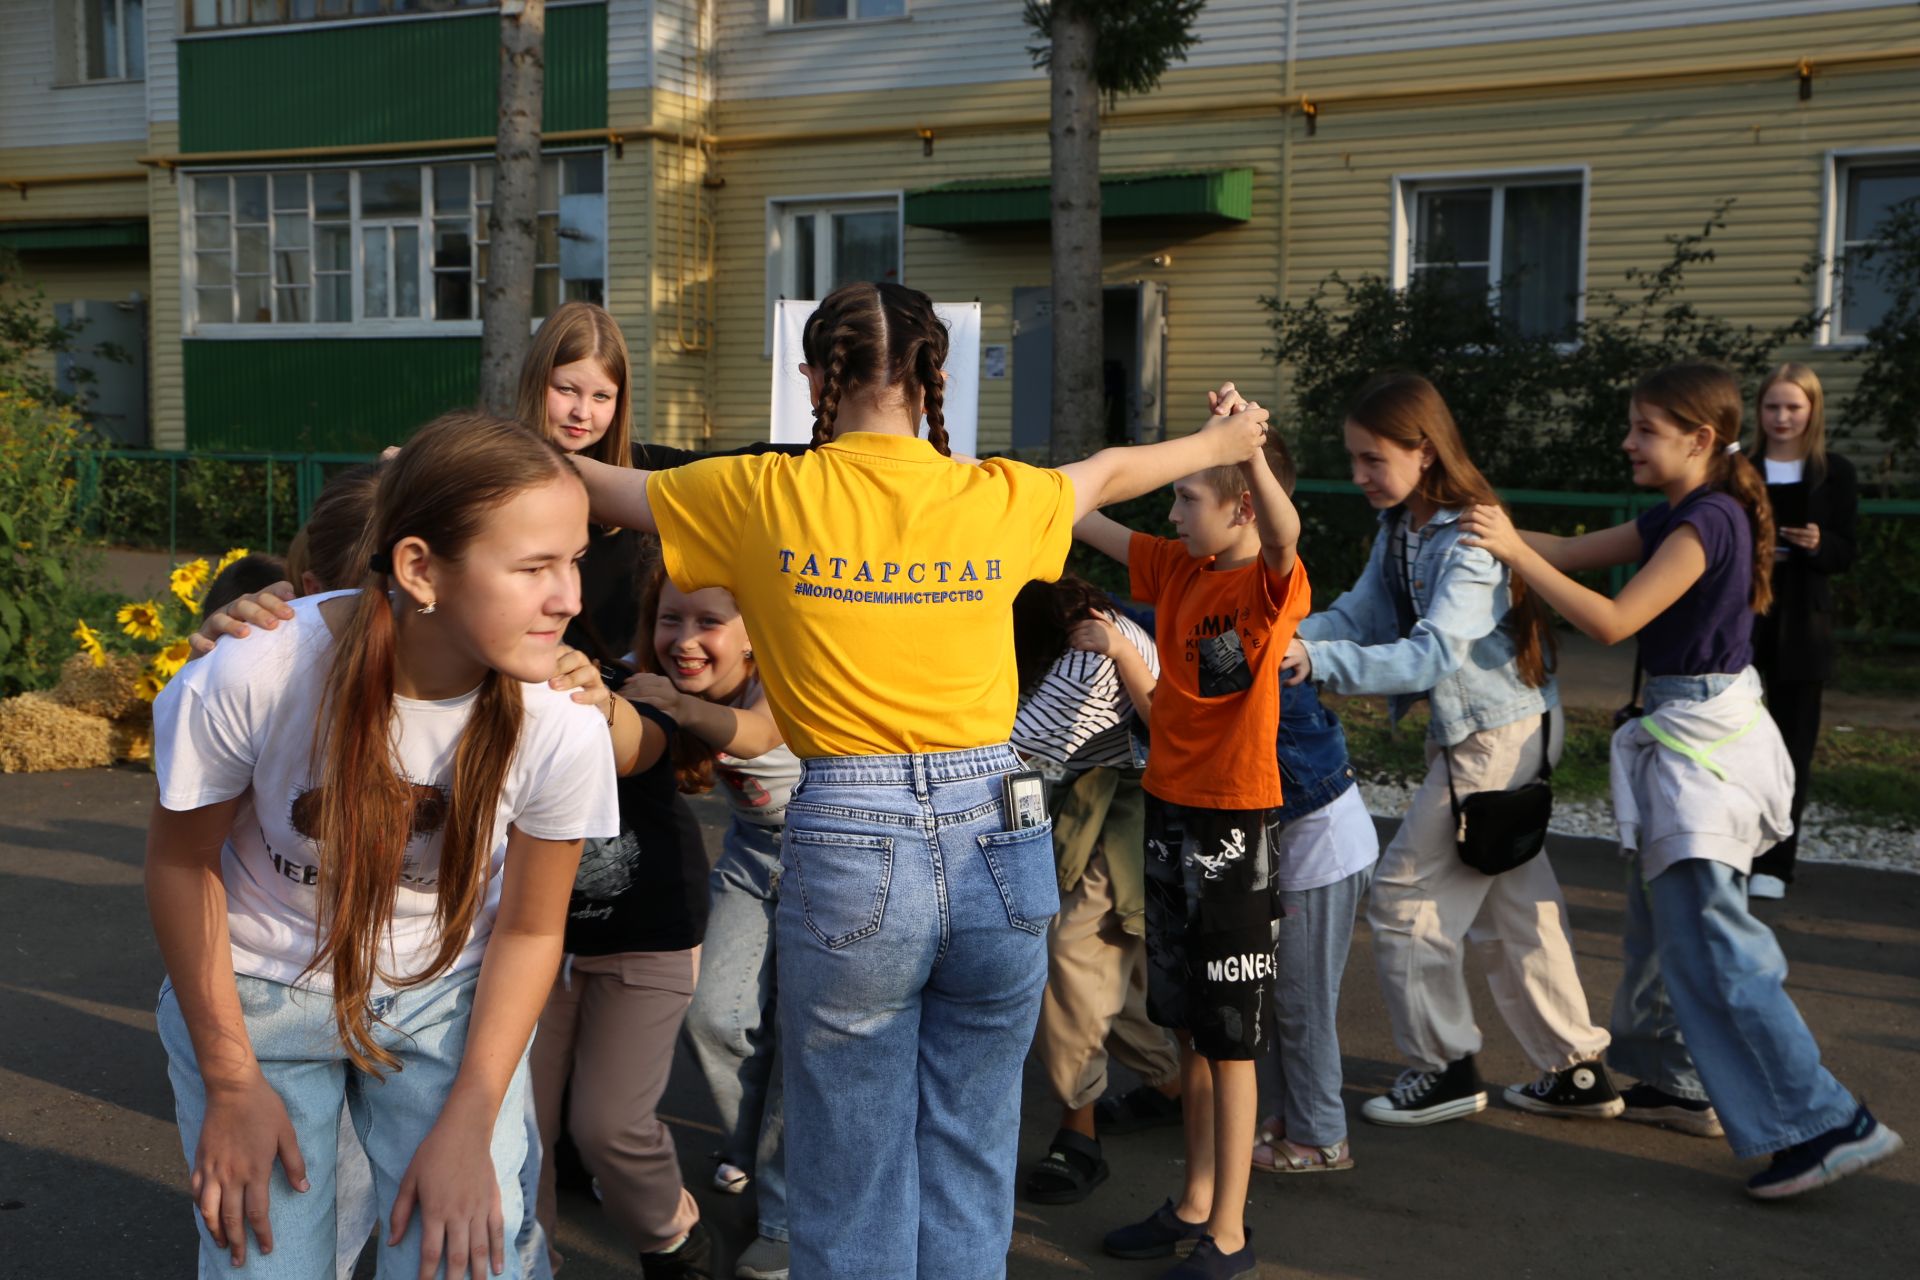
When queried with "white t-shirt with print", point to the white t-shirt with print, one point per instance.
{"points": [[242, 719], [1326, 846]]}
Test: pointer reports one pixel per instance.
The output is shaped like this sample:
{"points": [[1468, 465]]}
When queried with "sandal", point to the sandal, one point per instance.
{"points": [[1141, 1107], [1277, 1155], [1072, 1169]]}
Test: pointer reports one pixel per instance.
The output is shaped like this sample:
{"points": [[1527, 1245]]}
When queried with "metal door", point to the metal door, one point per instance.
{"points": [[111, 344]]}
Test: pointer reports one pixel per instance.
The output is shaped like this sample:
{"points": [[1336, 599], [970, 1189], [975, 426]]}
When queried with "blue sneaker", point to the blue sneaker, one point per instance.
{"points": [[1206, 1262], [1162, 1235], [1830, 1157]]}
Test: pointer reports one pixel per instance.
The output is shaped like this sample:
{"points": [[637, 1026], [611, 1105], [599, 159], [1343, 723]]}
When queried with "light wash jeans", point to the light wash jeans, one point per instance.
{"points": [[912, 955], [732, 1025], [1316, 933], [298, 1048]]}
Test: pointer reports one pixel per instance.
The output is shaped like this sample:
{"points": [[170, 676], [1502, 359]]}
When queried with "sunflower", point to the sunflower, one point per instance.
{"points": [[141, 620], [147, 686], [188, 580], [237, 553], [171, 659], [89, 642]]}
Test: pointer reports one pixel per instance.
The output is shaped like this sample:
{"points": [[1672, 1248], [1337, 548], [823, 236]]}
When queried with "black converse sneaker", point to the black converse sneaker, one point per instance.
{"points": [[1581, 1092], [1649, 1104], [1428, 1097]]}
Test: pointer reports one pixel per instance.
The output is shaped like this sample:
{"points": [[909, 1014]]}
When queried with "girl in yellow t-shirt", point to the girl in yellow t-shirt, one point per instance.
{"points": [[877, 574]]}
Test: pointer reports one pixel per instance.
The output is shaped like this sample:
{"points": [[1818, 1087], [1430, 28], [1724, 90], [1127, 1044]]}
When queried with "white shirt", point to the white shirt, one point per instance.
{"points": [[1789, 472], [1326, 846], [758, 789], [240, 722]]}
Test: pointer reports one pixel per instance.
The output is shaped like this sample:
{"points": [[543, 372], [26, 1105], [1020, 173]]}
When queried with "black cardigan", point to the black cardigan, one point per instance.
{"points": [[1794, 642]]}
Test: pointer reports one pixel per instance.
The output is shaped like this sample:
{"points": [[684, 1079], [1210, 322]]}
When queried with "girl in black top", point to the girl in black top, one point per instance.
{"points": [[1815, 501]]}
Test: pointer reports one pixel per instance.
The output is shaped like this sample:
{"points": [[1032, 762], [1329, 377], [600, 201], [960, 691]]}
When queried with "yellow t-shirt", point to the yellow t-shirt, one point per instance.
{"points": [[877, 581]]}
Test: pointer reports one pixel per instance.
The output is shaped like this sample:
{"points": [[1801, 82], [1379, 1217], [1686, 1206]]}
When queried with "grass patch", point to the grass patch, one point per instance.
{"points": [[1868, 671], [1870, 774]]}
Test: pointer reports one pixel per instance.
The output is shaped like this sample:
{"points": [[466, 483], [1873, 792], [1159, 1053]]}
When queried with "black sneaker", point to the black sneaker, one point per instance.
{"points": [[1649, 1104], [1428, 1097], [1581, 1092], [1830, 1157], [693, 1260], [1162, 1235], [1206, 1262]]}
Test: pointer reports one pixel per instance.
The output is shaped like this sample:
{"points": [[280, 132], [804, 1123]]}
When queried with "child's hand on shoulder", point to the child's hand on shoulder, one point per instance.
{"points": [[1097, 634], [1491, 529], [656, 691]]}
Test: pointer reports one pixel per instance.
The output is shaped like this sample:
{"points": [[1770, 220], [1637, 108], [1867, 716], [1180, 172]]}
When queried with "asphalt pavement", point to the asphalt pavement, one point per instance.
{"points": [[92, 1181]]}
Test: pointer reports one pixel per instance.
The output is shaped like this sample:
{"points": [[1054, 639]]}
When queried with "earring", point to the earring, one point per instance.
{"points": [[425, 608], [747, 655]]}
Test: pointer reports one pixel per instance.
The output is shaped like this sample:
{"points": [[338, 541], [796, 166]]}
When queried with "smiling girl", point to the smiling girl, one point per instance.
{"points": [[1701, 784], [358, 880], [698, 668]]}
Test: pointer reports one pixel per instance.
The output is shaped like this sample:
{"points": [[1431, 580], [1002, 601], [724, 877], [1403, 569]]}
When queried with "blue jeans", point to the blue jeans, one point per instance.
{"points": [[299, 1051], [1703, 1013], [1659, 689], [731, 1025], [912, 954]]}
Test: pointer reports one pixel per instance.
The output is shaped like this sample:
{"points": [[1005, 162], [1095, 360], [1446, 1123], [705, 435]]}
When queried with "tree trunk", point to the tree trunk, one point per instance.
{"points": [[1079, 424], [506, 297]]}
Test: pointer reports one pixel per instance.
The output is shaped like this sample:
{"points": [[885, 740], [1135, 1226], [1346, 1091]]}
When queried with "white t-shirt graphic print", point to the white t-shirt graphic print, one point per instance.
{"points": [[240, 722]]}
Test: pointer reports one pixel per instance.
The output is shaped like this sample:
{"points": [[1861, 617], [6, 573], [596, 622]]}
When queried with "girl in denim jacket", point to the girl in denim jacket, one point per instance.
{"points": [[1702, 785], [1433, 618]]}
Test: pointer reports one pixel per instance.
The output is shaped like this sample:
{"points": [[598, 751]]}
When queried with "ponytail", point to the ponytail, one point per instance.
{"points": [[872, 336]]}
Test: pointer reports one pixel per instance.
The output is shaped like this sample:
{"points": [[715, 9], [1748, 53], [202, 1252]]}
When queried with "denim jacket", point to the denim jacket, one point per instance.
{"points": [[1460, 653], [1314, 769]]}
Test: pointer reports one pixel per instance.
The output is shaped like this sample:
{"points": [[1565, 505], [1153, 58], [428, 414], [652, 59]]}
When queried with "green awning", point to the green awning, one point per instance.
{"points": [[28, 237], [1202, 195]]}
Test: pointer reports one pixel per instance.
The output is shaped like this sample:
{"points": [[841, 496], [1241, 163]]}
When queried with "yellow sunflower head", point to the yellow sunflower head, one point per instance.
{"points": [[89, 642], [147, 686], [170, 659], [237, 553], [188, 580], [141, 620]]}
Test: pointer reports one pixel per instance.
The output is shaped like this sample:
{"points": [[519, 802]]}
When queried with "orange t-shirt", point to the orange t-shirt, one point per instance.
{"points": [[1216, 712]]}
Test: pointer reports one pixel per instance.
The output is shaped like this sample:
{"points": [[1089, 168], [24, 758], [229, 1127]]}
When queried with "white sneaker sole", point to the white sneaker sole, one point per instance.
{"points": [[1382, 1111], [1850, 1157], [1698, 1124], [1520, 1099]]}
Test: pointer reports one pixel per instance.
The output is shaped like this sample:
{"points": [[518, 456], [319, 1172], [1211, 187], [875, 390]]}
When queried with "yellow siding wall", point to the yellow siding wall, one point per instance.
{"points": [[629, 226], [681, 276], [120, 197], [166, 380]]}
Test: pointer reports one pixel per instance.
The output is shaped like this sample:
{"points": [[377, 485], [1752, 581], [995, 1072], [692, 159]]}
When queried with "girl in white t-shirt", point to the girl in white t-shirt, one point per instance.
{"points": [[697, 666], [368, 823]]}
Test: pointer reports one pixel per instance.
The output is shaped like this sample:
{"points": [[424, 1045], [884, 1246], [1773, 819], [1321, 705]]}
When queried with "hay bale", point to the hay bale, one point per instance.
{"points": [[133, 739], [38, 734], [106, 691]]}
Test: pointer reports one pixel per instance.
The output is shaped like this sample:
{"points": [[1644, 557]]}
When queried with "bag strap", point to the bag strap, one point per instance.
{"points": [[1546, 760]]}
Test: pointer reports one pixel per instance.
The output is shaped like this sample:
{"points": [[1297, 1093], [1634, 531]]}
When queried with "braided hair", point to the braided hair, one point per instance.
{"points": [[870, 336]]}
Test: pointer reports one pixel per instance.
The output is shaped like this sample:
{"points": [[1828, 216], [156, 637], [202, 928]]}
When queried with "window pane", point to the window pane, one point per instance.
{"points": [[302, 10], [805, 284], [213, 269], [583, 237], [546, 290], [334, 244], [452, 188], [215, 305], [881, 8], [250, 197], [452, 295], [1454, 226], [102, 31], [264, 11], [1865, 294], [1540, 259], [817, 10], [586, 291], [335, 298], [483, 182], [866, 246], [210, 194], [136, 39], [295, 305], [549, 184], [373, 273], [334, 8], [451, 244], [290, 192], [585, 175], [290, 231], [480, 263], [251, 246], [332, 193], [546, 240], [211, 231], [255, 304], [205, 14], [1872, 193], [406, 271], [392, 192], [367, 6], [1468, 285], [290, 266]]}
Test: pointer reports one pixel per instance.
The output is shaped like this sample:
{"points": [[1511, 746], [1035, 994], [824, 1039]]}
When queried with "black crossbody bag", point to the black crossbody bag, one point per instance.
{"points": [[1494, 831]]}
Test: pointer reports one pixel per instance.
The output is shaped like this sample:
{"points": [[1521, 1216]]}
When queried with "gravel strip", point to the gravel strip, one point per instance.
{"points": [[1828, 835]]}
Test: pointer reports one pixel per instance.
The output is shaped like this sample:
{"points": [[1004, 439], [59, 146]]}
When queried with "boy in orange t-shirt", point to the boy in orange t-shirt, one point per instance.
{"points": [[1227, 594]]}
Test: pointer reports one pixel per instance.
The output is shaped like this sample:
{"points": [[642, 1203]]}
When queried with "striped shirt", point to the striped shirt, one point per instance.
{"points": [[1079, 715]]}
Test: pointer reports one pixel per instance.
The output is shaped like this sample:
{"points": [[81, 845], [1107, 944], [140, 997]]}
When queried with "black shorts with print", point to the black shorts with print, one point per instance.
{"points": [[1211, 926]]}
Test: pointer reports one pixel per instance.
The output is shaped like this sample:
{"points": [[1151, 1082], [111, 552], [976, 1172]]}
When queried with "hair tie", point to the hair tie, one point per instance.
{"points": [[1732, 448], [380, 562]]}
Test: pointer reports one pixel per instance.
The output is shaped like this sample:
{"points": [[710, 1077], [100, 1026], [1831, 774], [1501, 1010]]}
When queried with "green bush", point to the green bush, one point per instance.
{"points": [[45, 577], [215, 503], [1888, 393]]}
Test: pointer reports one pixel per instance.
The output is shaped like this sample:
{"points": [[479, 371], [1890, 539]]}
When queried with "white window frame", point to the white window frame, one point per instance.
{"points": [[359, 327], [1833, 226], [70, 19], [780, 17], [1406, 189], [781, 210]]}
